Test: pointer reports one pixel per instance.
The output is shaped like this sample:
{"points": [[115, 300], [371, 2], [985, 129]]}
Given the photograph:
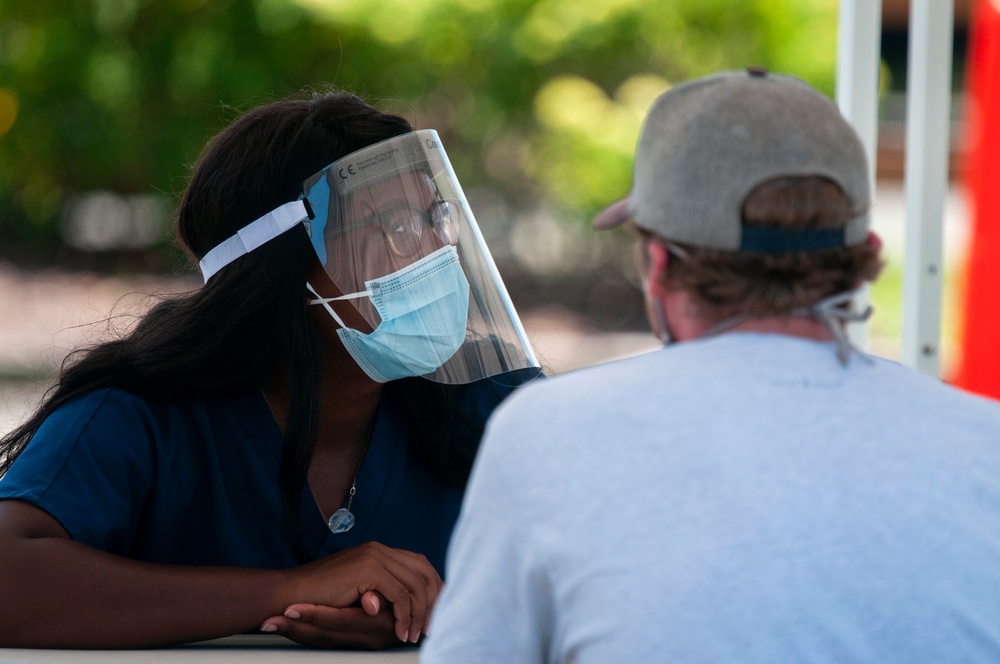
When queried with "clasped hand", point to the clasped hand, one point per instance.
{"points": [[370, 596]]}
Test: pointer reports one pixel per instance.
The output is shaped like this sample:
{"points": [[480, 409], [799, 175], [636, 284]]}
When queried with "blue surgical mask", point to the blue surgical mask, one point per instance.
{"points": [[424, 310]]}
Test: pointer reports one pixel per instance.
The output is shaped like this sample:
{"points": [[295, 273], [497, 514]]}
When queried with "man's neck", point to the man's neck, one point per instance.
{"points": [[792, 326], [687, 324]]}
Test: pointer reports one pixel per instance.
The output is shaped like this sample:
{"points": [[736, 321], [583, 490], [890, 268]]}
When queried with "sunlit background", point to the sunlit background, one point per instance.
{"points": [[104, 104]]}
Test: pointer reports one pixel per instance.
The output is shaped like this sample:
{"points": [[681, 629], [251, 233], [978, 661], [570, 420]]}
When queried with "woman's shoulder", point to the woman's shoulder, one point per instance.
{"points": [[108, 427], [116, 411], [483, 396], [81, 411], [503, 384], [117, 400]]}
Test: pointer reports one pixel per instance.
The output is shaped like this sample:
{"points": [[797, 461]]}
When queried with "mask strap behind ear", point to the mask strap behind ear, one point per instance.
{"points": [[831, 313], [251, 236], [325, 301]]}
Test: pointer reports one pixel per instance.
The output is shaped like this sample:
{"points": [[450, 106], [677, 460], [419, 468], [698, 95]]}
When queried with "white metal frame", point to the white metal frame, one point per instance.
{"points": [[858, 61], [928, 107], [927, 138]]}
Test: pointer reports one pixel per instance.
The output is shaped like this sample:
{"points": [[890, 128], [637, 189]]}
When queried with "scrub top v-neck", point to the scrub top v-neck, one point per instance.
{"points": [[398, 501]]}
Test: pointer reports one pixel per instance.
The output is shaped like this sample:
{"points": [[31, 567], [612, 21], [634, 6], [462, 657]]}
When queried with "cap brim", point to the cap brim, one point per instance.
{"points": [[614, 215]]}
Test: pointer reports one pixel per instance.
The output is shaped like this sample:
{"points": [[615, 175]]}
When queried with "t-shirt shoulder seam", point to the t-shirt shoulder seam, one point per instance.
{"points": [[76, 440]]}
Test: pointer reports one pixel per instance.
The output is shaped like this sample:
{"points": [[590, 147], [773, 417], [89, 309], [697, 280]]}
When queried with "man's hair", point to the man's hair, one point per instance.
{"points": [[729, 283]]}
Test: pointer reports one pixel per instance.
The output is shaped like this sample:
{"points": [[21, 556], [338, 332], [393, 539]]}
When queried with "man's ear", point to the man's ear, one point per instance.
{"points": [[873, 240], [656, 274]]}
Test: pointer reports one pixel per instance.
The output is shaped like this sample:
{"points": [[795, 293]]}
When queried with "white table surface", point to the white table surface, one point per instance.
{"points": [[241, 649]]}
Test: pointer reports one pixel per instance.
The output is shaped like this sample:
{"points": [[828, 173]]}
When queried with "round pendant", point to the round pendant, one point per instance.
{"points": [[341, 521]]}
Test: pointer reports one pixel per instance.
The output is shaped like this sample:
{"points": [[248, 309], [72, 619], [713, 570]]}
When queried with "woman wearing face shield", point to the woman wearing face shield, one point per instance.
{"points": [[285, 448]]}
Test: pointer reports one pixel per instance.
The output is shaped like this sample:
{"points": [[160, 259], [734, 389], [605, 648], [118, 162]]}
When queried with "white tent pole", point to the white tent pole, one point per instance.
{"points": [[928, 106], [858, 45]]}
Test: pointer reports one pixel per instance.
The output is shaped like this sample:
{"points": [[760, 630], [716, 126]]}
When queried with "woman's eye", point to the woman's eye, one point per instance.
{"points": [[405, 221], [403, 228]]}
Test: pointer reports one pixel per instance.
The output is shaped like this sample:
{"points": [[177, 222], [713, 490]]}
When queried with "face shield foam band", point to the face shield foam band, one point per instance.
{"points": [[253, 235]]}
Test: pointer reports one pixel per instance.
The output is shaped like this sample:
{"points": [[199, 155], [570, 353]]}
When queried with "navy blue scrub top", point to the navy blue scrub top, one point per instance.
{"points": [[196, 482]]}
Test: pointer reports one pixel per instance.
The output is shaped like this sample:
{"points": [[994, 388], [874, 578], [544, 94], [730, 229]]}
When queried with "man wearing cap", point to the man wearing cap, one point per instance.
{"points": [[759, 490]]}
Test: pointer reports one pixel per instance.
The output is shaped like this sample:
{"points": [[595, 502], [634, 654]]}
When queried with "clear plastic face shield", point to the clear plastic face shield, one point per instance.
{"points": [[394, 232]]}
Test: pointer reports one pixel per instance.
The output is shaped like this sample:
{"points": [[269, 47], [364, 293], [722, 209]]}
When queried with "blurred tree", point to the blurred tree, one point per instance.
{"points": [[541, 99]]}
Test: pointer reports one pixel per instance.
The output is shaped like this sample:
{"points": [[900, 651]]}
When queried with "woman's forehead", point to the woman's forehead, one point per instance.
{"points": [[413, 187]]}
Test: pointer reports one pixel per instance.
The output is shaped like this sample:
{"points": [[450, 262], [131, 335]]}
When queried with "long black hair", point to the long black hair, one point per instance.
{"points": [[251, 317]]}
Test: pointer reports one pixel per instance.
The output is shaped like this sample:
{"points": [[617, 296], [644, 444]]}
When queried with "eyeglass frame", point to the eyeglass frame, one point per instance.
{"points": [[427, 216]]}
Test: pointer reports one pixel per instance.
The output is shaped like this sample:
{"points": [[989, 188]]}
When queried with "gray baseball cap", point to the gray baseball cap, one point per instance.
{"points": [[707, 143]]}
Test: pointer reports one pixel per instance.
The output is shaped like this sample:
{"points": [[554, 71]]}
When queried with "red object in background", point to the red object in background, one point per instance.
{"points": [[979, 368]]}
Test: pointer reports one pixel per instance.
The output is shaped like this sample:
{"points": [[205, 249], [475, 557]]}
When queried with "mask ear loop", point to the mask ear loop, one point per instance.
{"points": [[830, 313], [325, 301], [663, 333]]}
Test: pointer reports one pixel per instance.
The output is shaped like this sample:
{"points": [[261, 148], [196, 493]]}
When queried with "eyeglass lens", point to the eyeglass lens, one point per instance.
{"points": [[404, 226]]}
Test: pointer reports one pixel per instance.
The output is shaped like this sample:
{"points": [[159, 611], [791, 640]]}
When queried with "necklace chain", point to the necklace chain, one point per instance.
{"points": [[369, 429], [354, 481]]}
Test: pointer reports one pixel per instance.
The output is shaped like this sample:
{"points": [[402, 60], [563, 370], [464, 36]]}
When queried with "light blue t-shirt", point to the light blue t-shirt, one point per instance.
{"points": [[740, 499]]}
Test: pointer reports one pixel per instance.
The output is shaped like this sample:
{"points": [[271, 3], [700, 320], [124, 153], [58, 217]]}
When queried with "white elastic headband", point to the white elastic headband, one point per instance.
{"points": [[251, 236]]}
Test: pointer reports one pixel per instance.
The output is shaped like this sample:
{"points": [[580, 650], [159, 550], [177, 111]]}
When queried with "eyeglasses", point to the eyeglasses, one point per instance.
{"points": [[404, 225]]}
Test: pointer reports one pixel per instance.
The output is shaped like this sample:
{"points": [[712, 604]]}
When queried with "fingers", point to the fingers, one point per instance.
{"points": [[412, 590], [382, 579], [404, 594], [424, 567], [372, 602], [328, 627]]}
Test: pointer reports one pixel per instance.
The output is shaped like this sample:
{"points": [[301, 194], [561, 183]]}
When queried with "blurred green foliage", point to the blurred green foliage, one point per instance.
{"points": [[539, 99]]}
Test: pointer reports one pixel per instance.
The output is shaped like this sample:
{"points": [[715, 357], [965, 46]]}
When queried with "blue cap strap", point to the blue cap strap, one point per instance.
{"points": [[768, 239]]}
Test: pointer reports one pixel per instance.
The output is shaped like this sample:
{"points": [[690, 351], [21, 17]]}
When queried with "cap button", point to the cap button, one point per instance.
{"points": [[757, 72]]}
